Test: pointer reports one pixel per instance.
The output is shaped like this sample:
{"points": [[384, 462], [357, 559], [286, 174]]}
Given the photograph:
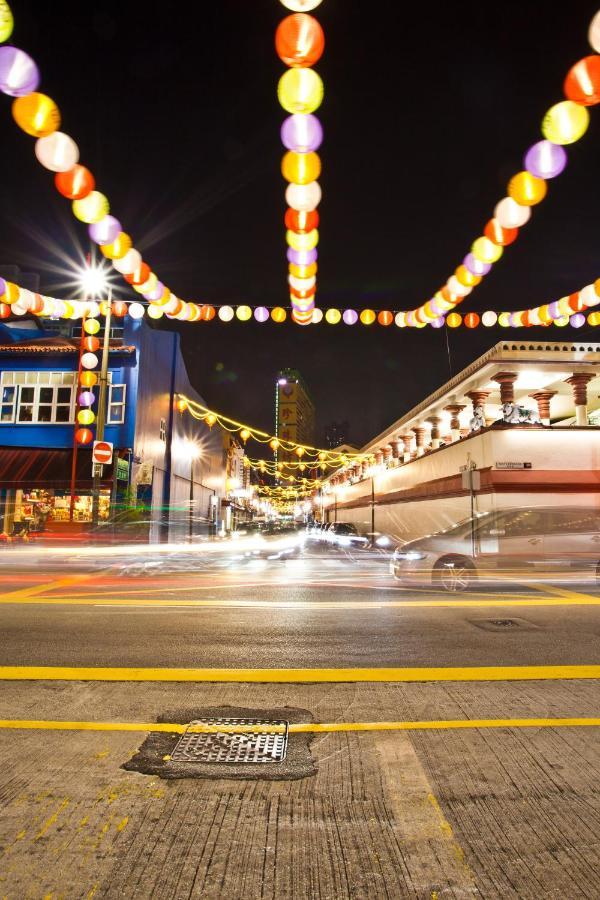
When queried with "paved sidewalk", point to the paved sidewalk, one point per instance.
{"points": [[502, 813]]}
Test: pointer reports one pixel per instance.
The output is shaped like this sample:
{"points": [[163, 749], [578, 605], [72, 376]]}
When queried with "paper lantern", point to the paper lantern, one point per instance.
{"points": [[303, 197], [19, 75], [301, 222], [333, 316], [453, 320], [302, 318], [499, 235], [465, 277], [545, 159], [4, 311], [400, 319], [565, 122], [91, 326], [302, 257], [385, 317], [226, 314], [302, 241], [526, 189], [475, 265], [57, 152], [37, 305], [350, 317], [489, 318], [317, 316], [302, 133], [593, 31], [207, 313], [471, 320], [11, 292], [485, 250], [84, 436], [136, 311], [301, 284], [106, 231], [36, 114], [299, 40], [7, 21], [562, 321], [128, 263], [301, 5], [582, 84], [91, 208], [119, 247], [504, 319], [155, 312], [300, 168], [90, 343], [139, 275], [456, 288], [156, 293], [577, 320], [278, 314], [86, 398], [76, 183], [86, 417], [300, 91], [438, 323], [261, 314], [89, 360], [88, 379], [303, 271], [148, 285], [594, 318], [511, 214], [243, 313]]}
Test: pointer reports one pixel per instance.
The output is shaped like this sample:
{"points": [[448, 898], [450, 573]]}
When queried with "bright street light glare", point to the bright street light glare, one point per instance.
{"points": [[93, 280]]}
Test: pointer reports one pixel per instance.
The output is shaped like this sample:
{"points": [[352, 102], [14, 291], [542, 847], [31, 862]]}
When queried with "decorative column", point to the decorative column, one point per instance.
{"points": [[455, 410], [387, 454], [397, 449], [543, 398], [420, 433], [407, 440], [434, 421], [363, 468], [506, 380], [579, 382], [478, 398], [378, 457]]}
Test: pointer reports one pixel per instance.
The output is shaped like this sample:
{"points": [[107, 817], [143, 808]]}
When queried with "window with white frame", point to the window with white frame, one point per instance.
{"points": [[116, 404], [30, 398], [163, 430]]}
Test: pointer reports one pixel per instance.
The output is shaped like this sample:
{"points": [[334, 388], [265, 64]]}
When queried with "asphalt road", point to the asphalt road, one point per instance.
{"points": [[411, 785]]}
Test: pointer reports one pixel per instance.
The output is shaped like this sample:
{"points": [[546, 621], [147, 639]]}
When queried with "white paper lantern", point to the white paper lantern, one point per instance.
{"points": [[136, 310], [303, 197], [511, 214], [129, 263], [57, 152], [489, 318], [155, 312], [89, 361], [226, 314]]}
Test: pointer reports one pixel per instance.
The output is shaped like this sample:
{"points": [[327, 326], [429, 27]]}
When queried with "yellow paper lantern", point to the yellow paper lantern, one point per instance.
{"points": [[88, 379], [36, 114], [485, 250], [92, 208], [526, 189], [86, 417], [300, 168], [302, 241], [562, 321], [333, 316], [119, 247], [11, 293], [148, 287], [453, 320], [278, 314], [303, 271], [154, 311], [6, 21], [564, 307], [368, 316], [464, 276], [91, 326], [243, 313], [594, 318], [565, 122], [300, 91], [504, 319]]}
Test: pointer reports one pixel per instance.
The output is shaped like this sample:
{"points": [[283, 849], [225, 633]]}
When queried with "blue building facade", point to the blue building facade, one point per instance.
{"points": [[168, 467]]}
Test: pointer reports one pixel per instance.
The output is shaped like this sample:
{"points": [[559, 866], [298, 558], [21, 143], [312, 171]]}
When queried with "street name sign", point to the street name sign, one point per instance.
{"points": [[514, 465]]}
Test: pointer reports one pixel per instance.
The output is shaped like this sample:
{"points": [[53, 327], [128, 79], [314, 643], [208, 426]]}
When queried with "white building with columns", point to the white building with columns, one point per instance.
{"points": [[413, 482]]}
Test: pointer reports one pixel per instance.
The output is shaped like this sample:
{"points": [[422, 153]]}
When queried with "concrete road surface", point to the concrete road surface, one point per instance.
{"points": [[453, 740]]}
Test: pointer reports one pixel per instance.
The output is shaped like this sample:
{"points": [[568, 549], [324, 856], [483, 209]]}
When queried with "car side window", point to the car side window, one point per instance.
{"points": [[516, 524], [573, 521]]}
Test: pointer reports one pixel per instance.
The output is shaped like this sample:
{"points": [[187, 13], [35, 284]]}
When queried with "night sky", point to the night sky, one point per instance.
{"points": [[428, 111]]}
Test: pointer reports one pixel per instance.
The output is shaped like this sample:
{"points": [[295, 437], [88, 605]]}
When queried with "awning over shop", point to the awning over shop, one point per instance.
{"points": [[27, 467]]}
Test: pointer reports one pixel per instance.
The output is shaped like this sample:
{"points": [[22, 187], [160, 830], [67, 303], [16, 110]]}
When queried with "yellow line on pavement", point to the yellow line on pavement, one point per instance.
{"points": [[105, 600], [26, 593], [296, 727], [289, 676]]}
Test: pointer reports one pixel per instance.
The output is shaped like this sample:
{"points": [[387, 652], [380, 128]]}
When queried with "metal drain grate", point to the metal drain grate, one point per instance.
{"points": [[232, 747]]}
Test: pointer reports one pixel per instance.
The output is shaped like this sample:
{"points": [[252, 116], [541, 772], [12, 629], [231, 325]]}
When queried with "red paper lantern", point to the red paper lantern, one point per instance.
{"points": [[300, 221], [4, 311], [499, 235], [582, 84], [91, 344], [207, 313], [385, 317], [471, 320], [84, 436], [140, 276], [119, 308], [299, 40], [75, 184]]}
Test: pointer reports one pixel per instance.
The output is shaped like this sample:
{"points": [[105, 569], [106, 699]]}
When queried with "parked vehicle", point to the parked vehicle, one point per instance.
{"points": [[545, 539], [345, 534]]}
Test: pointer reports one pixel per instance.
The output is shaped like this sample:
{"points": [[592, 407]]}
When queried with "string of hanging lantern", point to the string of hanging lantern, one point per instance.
{"points": [[563, 124], [248, 432], [299, 42]]}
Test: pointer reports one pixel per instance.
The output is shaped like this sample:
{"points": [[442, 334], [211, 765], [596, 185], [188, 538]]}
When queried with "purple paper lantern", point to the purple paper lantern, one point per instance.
{"points": [[350, 317], [577, 320], [156, 294], [2, 287], [105, 231], [19, 75], [553, 310], [302, 133], [261, 314], [475, 265], [545, 159], [438, 323], [302, 257], [86, 398]]}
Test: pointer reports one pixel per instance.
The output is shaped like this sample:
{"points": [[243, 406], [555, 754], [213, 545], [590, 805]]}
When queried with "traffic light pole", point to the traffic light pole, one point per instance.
{"points": [[101, 419]]}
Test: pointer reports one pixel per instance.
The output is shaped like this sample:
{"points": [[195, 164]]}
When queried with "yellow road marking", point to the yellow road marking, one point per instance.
{"points": [[566, 593], [294, 728], [289, 676], [25, 593], [105, 600]]}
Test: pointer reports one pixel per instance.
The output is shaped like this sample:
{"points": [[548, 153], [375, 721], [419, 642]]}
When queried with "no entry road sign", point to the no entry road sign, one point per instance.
{"points": [[102, 452]]}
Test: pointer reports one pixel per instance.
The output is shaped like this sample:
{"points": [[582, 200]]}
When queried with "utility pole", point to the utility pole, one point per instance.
{"points": [[101, 420]]}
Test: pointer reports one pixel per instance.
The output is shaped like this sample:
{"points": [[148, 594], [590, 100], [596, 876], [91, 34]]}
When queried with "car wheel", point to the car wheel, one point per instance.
{"points": [[454, 574]]}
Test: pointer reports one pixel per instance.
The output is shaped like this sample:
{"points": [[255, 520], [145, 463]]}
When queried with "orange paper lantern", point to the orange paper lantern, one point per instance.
{"points": [[582, 84], [75, 184], [385, 317], [299, 40], [499, 235]]}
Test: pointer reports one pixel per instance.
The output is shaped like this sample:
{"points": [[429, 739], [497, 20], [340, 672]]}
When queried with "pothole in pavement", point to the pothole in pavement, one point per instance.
{"points": [[231, 749], [504, 625]]}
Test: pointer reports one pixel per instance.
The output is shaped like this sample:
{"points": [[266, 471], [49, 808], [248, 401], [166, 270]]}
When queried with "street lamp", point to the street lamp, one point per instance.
{"points": [[191, 451]]}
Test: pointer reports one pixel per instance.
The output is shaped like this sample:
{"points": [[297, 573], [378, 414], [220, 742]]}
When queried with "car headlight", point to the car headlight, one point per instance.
{"points": [[410, 555], [383, 541]]}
